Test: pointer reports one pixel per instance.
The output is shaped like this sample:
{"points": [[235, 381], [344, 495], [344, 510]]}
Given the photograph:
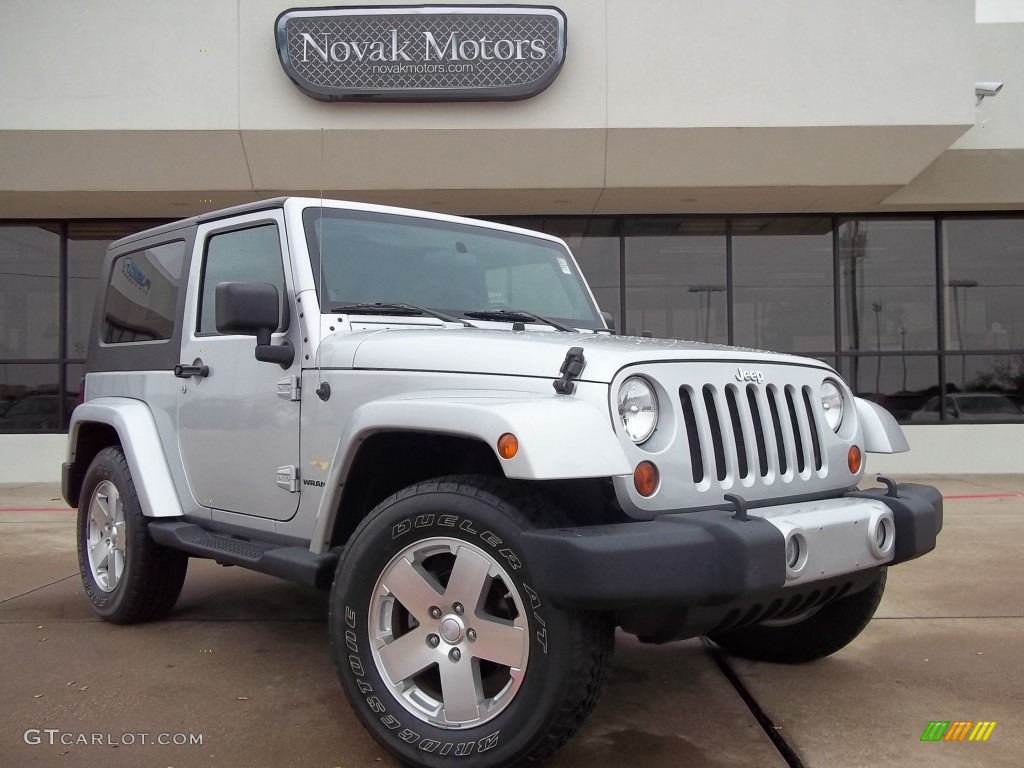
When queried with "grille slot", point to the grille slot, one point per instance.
{"points": [[812, 422], [715, 423], [780, 443], [797, 437], [751, 432], [690, 421], [737, 430], [755, 413]]}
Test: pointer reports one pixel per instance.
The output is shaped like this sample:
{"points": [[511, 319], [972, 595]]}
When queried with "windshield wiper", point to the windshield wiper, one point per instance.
{"points": [[517, 316], [403, 310]]}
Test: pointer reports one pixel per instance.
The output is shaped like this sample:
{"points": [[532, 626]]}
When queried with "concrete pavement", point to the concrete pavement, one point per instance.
{"points": [[244, 663]]}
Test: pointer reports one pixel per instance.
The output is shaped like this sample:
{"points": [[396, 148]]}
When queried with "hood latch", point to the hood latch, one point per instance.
{"points": [[571, 369]]}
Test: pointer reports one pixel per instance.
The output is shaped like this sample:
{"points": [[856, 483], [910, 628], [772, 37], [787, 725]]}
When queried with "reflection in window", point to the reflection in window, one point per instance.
{"points": [[29, 398], [900, 383], [984, 387], [29, 293], [87, 244], [142, 298], [984, 278], [782, 284], [676, 279], [887, 284]]}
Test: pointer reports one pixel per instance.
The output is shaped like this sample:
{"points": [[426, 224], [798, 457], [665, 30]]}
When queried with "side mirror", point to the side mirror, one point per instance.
{"points": [[609, 320], [253, 309]]}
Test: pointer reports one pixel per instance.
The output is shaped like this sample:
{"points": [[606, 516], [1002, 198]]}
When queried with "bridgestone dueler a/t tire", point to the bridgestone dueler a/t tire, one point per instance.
{"points": [[569, 652], [153, 575], [831, 627]]}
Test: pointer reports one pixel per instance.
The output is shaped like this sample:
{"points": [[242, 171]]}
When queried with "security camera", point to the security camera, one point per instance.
{"points": [[981, 90]]}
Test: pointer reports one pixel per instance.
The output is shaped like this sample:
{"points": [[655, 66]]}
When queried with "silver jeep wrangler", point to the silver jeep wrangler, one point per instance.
{"points": [[429, 416]]}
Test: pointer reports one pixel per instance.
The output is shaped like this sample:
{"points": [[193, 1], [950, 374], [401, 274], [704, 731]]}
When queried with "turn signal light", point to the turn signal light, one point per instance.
{"points": [[645, 478], [853, 458], [508, 446]]}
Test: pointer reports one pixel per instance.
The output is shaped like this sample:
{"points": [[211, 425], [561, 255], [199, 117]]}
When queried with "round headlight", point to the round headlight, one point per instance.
{"points": [[832, 403], [638, 409]]}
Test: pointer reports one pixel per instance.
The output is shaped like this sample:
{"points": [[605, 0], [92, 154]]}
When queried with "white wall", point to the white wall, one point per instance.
{"points": [[128, 102], [956, 448], [32, 458]]}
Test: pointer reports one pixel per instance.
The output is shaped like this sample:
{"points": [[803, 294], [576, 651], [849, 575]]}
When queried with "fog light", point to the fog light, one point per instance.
{"points": [[508, 446], [796, 553], [645, 478], [792, 552], [882, 536], [853, 459]]}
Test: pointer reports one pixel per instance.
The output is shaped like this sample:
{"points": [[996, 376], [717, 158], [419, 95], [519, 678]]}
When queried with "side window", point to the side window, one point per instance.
{"points": [[143, 295], [240, 256]]}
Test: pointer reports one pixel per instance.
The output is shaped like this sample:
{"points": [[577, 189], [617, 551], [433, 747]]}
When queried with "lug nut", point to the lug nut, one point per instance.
{"points": [[457, 607], [435, 612], [433, 641], [471, 634], [455, 654]]}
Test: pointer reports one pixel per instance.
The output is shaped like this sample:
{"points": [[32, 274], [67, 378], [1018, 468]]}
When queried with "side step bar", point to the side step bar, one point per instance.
{"points": [[292, 563]]}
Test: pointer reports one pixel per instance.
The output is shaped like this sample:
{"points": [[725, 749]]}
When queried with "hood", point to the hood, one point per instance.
{"points": [[522, 353]]}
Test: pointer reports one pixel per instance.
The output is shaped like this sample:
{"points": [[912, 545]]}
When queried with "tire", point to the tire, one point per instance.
{"points": [[495, 675], [823, 632], [113, 535]]}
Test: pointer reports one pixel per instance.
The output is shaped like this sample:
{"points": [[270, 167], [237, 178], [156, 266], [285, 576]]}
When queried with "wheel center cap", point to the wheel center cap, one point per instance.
{"points": [[451, 629]]}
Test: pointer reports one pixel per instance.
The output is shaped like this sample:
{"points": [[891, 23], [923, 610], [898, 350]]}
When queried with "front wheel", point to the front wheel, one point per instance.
{"points": [[446, 652], [819, 633]]}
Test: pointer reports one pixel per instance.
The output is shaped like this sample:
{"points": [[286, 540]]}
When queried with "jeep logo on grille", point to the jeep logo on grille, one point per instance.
{"points": [[755, 376]]}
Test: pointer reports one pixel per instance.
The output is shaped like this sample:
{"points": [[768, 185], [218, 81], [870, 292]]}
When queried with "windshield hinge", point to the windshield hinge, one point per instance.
{"points": [[571, 369], [288, 388], [288, 478]]}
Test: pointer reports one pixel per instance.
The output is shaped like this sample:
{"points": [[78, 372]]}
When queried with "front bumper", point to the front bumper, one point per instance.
{"points": [[710, 558]]}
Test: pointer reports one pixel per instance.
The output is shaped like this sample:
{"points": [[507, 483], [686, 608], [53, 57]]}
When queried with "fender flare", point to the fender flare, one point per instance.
{"points": [[559, 437], [136, 429], [882, 434]]}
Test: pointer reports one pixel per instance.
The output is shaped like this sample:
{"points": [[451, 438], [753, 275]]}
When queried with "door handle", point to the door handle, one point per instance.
{"points": [[188, 371]]}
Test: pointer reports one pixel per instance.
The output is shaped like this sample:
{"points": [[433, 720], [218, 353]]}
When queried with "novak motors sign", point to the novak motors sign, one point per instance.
{"points": [[422, 53]]}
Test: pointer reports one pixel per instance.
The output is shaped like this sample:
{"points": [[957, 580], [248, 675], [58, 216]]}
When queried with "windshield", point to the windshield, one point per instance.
{"points": [[452, 268]]}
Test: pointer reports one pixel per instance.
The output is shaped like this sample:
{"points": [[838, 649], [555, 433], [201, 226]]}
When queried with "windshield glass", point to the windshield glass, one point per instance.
{"points": [[453, 268]]}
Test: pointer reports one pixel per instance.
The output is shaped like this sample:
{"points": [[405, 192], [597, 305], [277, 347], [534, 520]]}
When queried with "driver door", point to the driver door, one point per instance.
{"points": [[238, 436]]}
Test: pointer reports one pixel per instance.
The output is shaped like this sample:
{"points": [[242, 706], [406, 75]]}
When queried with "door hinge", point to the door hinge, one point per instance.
{"points": [[288, 478], [288, 388]]}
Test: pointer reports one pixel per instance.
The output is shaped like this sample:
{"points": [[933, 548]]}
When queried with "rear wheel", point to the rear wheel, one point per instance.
{"points": [[445, 650], [818, 633], [128, 577]]}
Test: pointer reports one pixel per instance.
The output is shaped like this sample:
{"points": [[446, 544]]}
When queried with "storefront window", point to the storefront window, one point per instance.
{"points": [[984, 271], [29, 293], [902, 384], [676, 279], [30, 398], [782, 284], [677, 285], [887, 285]]}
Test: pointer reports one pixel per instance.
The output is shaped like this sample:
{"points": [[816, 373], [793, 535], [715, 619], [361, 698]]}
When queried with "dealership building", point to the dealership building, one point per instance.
{"points": [[842, 180]]}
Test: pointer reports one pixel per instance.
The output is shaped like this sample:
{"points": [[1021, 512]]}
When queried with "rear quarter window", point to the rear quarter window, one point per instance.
{"points": [[142, 298]]}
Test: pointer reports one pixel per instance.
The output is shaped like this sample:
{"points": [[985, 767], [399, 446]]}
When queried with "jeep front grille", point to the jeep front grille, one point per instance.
{"points": [[742, 431]]}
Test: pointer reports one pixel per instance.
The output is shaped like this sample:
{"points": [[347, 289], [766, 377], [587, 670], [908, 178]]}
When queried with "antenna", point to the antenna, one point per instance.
{"points": [[320, 264]]}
